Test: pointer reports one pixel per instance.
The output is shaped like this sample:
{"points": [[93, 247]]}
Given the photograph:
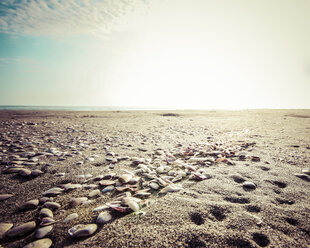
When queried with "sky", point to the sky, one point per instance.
{"points": [[183, 54]]}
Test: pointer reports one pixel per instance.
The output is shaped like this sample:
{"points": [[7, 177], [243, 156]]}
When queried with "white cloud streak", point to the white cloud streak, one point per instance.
{"points": [[65, 17]]}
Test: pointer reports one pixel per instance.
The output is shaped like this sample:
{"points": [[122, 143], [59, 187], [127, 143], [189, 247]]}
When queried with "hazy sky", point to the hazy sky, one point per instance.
{"points": [[155, 53]]}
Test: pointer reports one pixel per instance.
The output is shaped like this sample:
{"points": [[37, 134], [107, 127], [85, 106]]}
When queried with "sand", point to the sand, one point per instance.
{"points": [[216, 212]]}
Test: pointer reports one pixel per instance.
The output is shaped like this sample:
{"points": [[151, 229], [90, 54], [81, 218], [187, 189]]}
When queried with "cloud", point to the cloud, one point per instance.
{"points": [[65, 17]]}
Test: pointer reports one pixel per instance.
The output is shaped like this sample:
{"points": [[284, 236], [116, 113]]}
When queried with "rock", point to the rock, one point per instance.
{"points": [[103, 217], [71, 186], [82, 230], [41, 243], [70, 217], [32, 204], [94, 193], [21, 229], [5, 196], [51, 205], [4, 227], [43, 231], [248, 185], [45, 212], [106, 182], [133, 205]]}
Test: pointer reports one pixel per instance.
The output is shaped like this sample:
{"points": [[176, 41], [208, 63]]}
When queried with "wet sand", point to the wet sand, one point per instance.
{"points": [[214, 208]]}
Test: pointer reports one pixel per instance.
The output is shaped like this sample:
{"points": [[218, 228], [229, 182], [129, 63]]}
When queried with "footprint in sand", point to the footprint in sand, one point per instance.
{"points": [[218, 213], [197, 218], [253, 209], [261, 239]]}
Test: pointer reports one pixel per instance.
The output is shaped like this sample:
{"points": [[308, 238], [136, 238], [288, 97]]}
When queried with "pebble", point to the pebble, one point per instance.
{"points": [[41, 243], [125, 178], [51, 205], [70, 217], [4, 227], [21, 229], [36, 172], [103, 217], [32, 204], [46, 221], [43, 231], [5, 196], [248, 185], [302, 176], [82, 230]]}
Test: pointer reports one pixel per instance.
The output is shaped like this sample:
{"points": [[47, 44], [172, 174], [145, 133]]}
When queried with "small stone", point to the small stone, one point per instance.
{"points": [[106, 182], [70, 217], [94, 193], [43, 231], [45, 212], [41, 243], [82, 230], [21, 229], [51, 205], [103, 217], [302, 176], [5, 196], [248, 185], [32, 204], [4, 227], [125, 178]]}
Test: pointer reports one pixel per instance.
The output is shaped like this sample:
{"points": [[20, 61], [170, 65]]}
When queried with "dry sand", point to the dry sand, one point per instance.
{"points": [[216, 212]]}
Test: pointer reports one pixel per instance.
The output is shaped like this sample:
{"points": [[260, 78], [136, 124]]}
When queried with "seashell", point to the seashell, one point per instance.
{"points": [[104, 217], [41, 243], [45, 212], [154, 186], [197, 160], [32, 204], [46, 221], [51, 205], [90, 186], [306, 171], [101, 208], [221, 160], [70, 217], [24, 172], [5, 196], [171, 188], [160, 169], [21, 229], [141, 193], [36, 172], [108, 189], [133, 205], [53, 192], [302, 176], [125, 178], [44, 199], [82, 230], [198, 176], [43, 231], [106, 182], [71, 186], [91, 159], [93, 193], [4, 227]]}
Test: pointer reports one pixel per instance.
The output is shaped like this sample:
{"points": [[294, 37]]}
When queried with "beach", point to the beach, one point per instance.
{"points": [[195, 178]]}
